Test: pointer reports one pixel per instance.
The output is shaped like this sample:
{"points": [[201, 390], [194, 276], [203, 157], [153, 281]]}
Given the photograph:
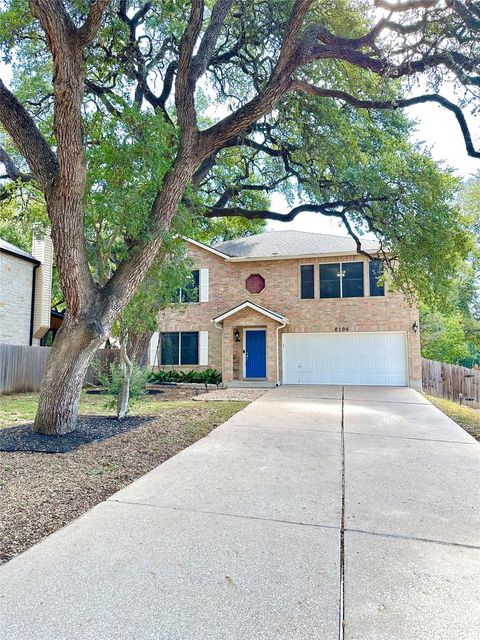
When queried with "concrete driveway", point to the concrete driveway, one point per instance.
{"points": [[315, 513]]}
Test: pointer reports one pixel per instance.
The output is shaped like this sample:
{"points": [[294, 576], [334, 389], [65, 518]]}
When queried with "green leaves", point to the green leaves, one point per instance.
{"points": [[309, 149], [443, 336], [127, 162]]}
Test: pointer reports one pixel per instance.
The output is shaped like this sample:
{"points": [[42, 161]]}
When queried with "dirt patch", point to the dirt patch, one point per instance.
{"points": [[39, 493]]}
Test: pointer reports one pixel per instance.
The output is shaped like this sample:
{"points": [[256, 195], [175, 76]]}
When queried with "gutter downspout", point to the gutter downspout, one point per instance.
{"points": [[32, 305], [281, 326]]}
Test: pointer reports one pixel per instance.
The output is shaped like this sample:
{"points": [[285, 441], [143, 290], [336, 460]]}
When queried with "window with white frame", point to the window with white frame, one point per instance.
{"points": [[190, 292], [179, 347], [196, 289]]}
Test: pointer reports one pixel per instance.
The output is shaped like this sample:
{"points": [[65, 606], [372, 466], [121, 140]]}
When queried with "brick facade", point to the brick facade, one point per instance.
{"points": [[282, 295], [15, 299]]}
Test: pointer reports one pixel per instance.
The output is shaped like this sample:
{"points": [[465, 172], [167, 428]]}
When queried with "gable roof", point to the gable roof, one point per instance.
{"points": [[256, 307], [290, 244], [8, 247]]}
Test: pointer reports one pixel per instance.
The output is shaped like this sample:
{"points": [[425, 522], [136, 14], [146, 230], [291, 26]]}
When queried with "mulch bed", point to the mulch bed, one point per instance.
{"points": [[41, 493], [89, 429]]}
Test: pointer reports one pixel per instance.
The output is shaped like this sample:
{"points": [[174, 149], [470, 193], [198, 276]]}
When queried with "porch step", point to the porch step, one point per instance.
{"points": [[247, 384]]}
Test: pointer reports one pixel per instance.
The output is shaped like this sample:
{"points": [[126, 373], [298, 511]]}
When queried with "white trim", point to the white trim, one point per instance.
{"points": [[277, 357], [153, 352], [203, 285], [245, 329], [299, 256], [254, 307], [203, 348], [206, 247]]}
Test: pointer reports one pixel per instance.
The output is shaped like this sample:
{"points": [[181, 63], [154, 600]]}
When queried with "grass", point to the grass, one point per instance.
{"points": [[41, 492], [466, 417], [21, 407]]}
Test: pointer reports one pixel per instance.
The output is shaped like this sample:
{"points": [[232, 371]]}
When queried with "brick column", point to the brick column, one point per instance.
{"points": [[228, 343]]}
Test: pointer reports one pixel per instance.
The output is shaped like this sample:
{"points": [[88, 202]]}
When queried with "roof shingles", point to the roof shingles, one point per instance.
{"points": [[278, 244], [8, 247]]}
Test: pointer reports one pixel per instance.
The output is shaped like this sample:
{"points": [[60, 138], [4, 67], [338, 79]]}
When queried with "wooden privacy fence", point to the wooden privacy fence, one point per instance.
{"points": [[21, 367], [451, 382]]}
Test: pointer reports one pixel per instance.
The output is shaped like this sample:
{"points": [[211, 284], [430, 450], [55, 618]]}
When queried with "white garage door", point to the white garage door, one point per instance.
{"points": [[345, 358]]}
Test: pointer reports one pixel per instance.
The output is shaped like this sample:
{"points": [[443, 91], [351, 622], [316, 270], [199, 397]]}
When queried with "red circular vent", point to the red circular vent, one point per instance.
{"points": [[255, 283]]}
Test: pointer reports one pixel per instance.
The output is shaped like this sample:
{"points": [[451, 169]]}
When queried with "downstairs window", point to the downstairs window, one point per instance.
{"points": [[179, 347]]}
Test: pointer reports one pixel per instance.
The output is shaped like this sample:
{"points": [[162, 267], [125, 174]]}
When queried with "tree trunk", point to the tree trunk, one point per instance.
{"points": [[126, 367], [74, 348], [140, 344]]}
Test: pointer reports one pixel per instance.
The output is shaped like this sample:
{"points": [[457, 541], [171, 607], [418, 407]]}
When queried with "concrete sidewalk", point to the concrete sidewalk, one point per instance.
{"points": [[243, 535]]}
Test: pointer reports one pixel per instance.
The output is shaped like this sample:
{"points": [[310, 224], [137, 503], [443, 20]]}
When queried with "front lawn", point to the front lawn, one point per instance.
{"points": [[21, 407], [466, 417], [41, 492]]}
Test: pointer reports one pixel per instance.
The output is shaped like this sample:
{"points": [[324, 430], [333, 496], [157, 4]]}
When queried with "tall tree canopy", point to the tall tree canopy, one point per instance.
{"points": [[450, 331], [205, 109]]}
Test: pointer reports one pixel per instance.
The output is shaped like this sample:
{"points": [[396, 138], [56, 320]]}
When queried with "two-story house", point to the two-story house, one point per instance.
{"points": [[289, 307]]}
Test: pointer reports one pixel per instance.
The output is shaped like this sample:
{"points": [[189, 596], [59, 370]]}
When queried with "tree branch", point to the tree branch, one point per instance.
{"points": [[408, 5], [12, 171], [32, 145], [335, 209], [139, 69], [89, 29], [301, 85], [288, 60], [101, 93], [55, 20], [185, 82], [210, 37]]}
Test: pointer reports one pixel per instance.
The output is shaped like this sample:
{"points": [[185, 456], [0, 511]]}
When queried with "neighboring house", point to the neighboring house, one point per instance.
{"points": [[289, 307], [25, 291]]}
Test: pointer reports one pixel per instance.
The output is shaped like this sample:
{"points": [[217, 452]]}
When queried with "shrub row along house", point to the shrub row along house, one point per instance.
{"points": [[289, 307]]}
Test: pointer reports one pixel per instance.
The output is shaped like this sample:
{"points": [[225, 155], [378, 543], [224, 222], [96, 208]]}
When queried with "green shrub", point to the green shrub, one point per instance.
{"points": [[209, 376], [188, 376], [111, 379], [159, 376]]}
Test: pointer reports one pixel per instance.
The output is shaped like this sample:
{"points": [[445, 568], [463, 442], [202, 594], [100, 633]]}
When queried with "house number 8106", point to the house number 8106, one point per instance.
{"points": [[341, 329]]}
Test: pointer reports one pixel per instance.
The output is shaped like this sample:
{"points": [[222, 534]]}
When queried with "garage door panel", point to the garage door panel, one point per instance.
{"points": [[354, 358]]}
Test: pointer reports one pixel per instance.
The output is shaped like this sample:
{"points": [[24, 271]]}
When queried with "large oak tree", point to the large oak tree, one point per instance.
{"points": [[209, 107]]}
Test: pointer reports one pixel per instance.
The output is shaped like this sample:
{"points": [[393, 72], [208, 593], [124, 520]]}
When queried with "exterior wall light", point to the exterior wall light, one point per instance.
{"points": [[237, 335], [415, 327]]}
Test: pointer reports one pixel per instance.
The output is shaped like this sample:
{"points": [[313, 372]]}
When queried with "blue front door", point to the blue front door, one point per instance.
{"points": [[255, 354]]}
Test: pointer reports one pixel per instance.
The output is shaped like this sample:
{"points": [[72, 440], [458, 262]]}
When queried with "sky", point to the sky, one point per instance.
{"points": [[437, 128]]}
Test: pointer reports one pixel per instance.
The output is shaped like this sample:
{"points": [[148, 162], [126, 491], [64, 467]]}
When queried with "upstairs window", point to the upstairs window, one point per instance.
{"points": [[375, 272], [190, 292], [179, 347], [341, 280], [352, 279], [307, 282], [330, 280]]}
